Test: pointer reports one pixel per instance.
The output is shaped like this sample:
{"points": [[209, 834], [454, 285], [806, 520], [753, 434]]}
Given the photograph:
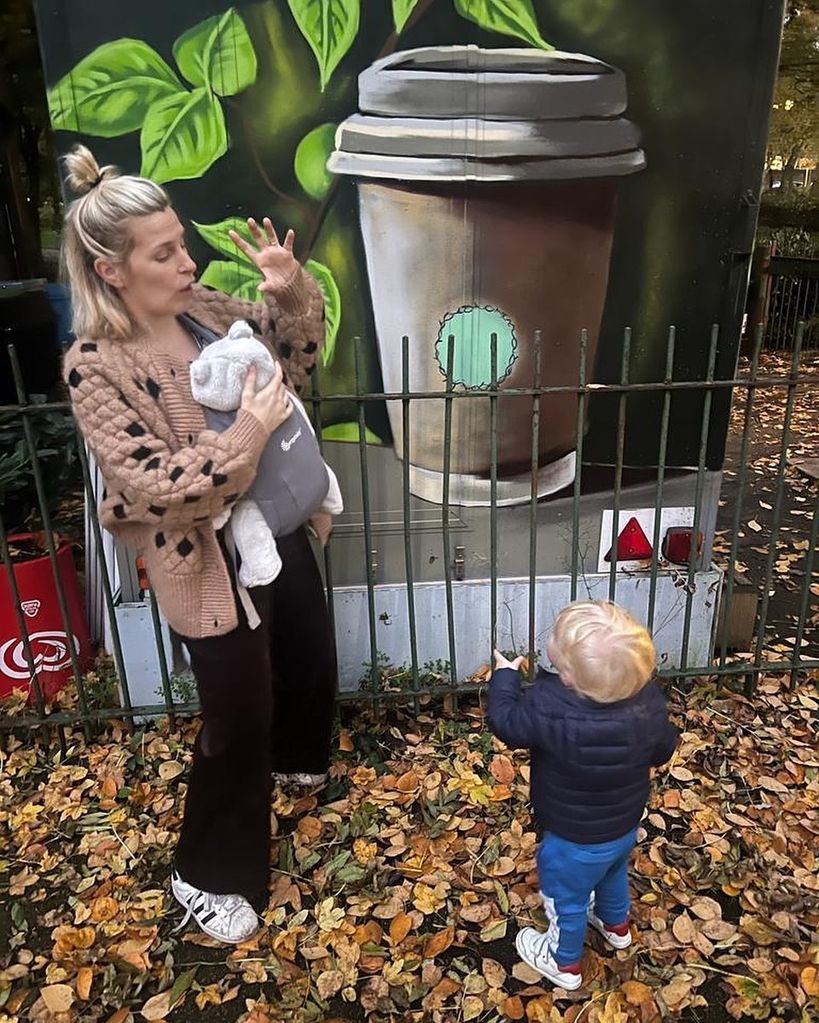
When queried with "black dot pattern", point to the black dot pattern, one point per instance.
{"points": [[88, 346], [219, 479], [286, 350], [153, 464], [175, 473], [159, 540], [141, 453], [184, 547], [119, 511], [157, 510], [152, 387], [207, 467], [134, 430], [74, 378], [191, 498]]}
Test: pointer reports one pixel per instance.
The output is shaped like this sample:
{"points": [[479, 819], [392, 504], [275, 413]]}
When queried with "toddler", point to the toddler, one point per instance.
{"points": [[595, 728]]}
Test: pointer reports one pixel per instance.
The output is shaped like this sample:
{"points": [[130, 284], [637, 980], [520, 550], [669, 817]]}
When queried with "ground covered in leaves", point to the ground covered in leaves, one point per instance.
{"points": [[397, 891]]}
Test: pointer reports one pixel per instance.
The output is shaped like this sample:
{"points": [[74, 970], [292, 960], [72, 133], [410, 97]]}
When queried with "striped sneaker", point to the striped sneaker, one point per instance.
{"points": [[228, 918]]}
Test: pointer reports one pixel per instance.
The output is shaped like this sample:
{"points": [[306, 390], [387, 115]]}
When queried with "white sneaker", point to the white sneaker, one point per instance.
{"points": [[533, 948], [307, 781], [228, 918], [610, 937]]}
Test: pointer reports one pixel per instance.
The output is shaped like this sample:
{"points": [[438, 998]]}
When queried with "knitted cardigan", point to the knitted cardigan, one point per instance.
{"points": [[166, 474]]}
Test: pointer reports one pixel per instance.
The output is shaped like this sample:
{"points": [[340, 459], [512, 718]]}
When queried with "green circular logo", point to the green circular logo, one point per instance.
{"points": [[471, 327]]}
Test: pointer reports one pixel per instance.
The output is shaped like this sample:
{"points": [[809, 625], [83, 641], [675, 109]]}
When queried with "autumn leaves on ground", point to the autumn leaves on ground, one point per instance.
{"points": [[397, 892]]}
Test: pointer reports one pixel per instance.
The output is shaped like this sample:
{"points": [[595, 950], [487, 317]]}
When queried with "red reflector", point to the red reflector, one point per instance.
{"points": [[142, 575], [632, 543], [677, 544]]}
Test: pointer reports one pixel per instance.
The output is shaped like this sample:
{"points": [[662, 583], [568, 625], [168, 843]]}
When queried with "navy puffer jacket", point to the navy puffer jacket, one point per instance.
{"points": [[590, 761]]}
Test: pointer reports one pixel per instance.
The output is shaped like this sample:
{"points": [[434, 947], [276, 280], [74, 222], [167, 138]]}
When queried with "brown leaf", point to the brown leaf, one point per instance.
{"points": [[400, 926], [706, 908], [329, 983], [683, 929], [407, 782], [158, 1007], [809, 979], [438, 943], [170, 769], [345, 741], [525, 974], [120, 1015], [512, 1008], [85, 978], [613, 1011], [502, 769], [636, 993], [540, 1009], [494, 973]]}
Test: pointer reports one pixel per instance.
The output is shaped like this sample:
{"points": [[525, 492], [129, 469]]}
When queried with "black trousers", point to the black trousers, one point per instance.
{"points": [[268, 701]]}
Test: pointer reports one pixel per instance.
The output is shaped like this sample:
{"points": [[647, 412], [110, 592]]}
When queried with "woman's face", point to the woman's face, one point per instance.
{"points": [[155, 280]]}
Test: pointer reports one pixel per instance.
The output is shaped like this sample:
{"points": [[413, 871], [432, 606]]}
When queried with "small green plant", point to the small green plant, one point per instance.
{"points": [[55, 444], [183, 689]]}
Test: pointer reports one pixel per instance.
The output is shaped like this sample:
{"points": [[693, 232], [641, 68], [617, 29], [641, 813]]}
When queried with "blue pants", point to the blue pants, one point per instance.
{"points": [[570, 875]]}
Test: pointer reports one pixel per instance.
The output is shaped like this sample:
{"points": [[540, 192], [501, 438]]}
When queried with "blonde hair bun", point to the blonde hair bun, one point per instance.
{"points": [[84, 173]]}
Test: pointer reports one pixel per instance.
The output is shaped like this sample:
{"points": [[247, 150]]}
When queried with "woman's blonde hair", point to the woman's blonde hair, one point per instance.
{"points": [[602, 650], [96, 227]]}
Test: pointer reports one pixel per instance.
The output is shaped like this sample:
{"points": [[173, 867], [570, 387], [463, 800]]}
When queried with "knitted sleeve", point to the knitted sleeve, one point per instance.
{"points": [[151, 482], [291, 321]]}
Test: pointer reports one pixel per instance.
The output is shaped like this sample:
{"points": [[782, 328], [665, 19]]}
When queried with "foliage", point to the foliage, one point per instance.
{"points": [[125, 85], [794, 129], [396, 892], [54, 441]]}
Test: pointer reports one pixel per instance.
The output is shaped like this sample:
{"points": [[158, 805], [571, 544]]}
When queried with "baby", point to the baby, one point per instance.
{"points": [[292, 481], [595, 729]]}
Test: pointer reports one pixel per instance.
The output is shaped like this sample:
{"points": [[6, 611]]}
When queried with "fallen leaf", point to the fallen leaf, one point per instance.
{"points": [[85, 978], [57, 997], [400, 926], [158, 1007], [512, 1007]]}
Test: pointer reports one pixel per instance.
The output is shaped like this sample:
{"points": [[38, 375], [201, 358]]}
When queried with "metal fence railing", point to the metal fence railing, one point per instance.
{"points": [[87, 701], [786, 290]]}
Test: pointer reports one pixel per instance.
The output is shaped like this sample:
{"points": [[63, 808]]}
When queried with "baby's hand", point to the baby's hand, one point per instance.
{"points": [[501, 662]]}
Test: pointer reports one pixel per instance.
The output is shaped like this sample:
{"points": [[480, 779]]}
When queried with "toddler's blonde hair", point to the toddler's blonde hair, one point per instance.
{"points": [[601, 650]]}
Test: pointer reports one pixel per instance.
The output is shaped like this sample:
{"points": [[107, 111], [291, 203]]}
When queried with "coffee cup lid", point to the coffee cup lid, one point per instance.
{"points": [[465, 113]]}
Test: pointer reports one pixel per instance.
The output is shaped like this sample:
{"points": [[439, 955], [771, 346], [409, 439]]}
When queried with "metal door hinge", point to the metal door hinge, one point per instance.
{"points": [[459, 563]]}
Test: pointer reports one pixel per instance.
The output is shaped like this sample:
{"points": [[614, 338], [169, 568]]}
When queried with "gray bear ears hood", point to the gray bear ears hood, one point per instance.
{"points": [[219, 374]]}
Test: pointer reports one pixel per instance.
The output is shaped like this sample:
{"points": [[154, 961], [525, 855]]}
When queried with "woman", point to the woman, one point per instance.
{"points": [[267, 693]]}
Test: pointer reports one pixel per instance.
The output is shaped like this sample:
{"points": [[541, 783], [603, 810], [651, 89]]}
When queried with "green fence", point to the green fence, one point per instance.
{"points": [[24, 461]]}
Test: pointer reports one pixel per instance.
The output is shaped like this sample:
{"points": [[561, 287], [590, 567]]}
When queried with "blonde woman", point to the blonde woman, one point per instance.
{"points": [[595, 729], [264, 659]]}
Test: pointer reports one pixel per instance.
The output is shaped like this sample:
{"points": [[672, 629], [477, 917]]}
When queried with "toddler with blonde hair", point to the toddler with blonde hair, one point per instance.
{"points": [[595, 727]]}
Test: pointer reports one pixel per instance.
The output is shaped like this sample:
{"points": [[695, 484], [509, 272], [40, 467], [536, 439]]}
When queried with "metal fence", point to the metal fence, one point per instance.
{"points": [[749, 387], [787, 289]]}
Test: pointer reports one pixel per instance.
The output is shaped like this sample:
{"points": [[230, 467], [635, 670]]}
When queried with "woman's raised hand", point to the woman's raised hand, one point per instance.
{"points": [[270, 405], [275, 259]]}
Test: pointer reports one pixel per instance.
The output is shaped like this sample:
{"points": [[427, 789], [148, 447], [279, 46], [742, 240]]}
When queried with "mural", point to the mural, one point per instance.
{"points": [[463, 172]]}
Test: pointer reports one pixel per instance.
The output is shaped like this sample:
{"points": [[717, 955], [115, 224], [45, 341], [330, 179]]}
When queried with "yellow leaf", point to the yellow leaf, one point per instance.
{"points": [[329, 983], [57, 997], [494, 973], [613, 1011], [104, 909], [753, 524], [85, 978], [471, 1007], [540, 1009], [706, 908], [400, 926], [438, 943]]}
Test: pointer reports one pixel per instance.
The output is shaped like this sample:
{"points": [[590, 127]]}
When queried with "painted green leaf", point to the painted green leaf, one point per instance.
{"points": [[323, 276], [110, 91], [310, 162], [349, 432], [509, 17], [401, 10], [182, 136], [330, 27], [216, 235], [232, 278], [217, 53]]}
